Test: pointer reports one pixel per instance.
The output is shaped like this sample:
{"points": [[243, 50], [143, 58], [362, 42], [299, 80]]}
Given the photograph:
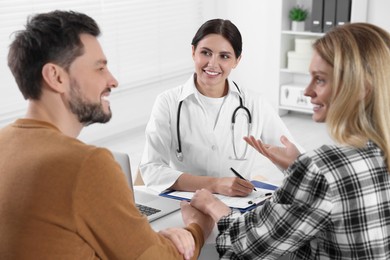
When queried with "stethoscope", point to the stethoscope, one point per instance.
{"points": [[179, 152]]}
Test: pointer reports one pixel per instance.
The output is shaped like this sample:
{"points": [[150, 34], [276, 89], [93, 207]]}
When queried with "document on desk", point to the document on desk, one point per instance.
{"points": [[264, 191]]}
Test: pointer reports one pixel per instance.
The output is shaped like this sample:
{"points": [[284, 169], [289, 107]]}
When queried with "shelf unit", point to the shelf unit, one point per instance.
{"points": [[292, 83], [298, 80]]}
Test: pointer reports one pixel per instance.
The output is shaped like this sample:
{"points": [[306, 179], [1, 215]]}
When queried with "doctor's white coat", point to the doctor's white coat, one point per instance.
{"points": [[207, 146]]}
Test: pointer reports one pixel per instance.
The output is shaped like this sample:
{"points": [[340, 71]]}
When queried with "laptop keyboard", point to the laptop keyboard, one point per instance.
{"points": [[147, 211]]}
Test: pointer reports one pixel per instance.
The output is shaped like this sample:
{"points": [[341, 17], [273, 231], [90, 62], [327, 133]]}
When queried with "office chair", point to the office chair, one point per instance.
{"points": [[138, 179], [124, 162]]}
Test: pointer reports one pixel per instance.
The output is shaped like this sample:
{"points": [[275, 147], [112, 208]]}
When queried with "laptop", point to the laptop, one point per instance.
{"points": [[152, 206]]}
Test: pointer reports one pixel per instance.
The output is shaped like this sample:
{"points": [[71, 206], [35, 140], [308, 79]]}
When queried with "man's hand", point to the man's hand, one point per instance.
{"points": [[182, 239]]}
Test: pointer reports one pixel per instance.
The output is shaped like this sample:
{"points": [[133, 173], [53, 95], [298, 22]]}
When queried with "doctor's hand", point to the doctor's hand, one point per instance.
{"points": [[233, 187], [206, 202], [280, 156]]}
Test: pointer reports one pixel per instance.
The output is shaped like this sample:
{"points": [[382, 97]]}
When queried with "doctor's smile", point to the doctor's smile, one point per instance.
{"points": [[212, 73]]}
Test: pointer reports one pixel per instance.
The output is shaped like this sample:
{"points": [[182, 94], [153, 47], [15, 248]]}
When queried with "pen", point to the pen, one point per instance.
{"points": [[265, 195], [239, 175]]}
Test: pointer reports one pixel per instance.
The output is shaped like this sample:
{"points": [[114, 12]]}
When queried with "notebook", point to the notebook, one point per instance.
{"points": [[152, 206]]}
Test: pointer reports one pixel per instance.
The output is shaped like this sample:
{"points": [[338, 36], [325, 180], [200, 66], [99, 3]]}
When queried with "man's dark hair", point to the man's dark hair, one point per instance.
{"points": [[48, 37]]}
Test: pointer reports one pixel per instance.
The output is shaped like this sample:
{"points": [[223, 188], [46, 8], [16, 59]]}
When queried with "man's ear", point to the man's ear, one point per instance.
{"points": [[54, 76]]}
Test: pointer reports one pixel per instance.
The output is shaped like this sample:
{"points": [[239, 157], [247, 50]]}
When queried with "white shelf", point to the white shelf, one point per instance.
{"points": [[294, 72], [305, 33], [297, 109], [287, 77], [295, 84]]}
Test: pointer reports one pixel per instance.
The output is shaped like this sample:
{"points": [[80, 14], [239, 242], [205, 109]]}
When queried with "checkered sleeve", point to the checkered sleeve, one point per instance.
{"points": [[298, 212]]}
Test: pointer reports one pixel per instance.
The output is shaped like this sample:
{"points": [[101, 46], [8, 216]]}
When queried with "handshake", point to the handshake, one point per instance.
{"points": [[204, 210]]}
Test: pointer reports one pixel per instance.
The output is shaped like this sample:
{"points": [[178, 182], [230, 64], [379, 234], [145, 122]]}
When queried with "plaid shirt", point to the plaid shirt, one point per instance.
{"points": [[333, 204]]}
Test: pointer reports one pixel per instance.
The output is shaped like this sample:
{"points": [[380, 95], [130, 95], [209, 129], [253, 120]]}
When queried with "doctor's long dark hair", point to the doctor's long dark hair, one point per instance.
{"points": [[222, 27]]}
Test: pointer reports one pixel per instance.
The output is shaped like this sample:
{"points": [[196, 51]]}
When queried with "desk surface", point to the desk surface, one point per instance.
{"points": [[175, 220]]}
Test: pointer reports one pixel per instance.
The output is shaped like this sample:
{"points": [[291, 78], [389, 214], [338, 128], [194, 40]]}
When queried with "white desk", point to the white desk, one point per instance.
{"points": [[174, 219]]}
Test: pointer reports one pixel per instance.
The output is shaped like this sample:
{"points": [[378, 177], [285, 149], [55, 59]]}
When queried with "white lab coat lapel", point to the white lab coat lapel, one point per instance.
{"points": [[196, 131], [223, 125]]}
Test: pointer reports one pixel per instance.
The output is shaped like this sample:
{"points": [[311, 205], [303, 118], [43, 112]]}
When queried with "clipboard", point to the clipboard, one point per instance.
{"points": [[264, 185], [256, 198]]}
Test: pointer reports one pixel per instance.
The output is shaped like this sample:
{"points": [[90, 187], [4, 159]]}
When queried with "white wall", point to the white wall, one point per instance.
{"points": [[378, 13], [259, 22]]}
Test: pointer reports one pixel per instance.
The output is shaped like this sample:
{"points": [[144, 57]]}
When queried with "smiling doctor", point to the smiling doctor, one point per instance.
{"points": [[195, 132]]}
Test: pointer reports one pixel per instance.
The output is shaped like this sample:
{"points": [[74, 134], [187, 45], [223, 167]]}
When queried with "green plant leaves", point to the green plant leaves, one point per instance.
{"points": [[298, 13]]}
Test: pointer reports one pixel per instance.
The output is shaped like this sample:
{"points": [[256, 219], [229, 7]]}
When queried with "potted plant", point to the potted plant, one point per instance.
{"points": [[298, 15]]}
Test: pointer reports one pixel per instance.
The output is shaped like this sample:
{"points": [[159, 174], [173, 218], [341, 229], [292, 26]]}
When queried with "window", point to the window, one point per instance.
{"points": [[145, 41]]}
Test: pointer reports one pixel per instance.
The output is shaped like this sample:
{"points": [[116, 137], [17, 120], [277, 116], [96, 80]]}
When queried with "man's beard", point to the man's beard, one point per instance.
{"points": [[86, 112]]}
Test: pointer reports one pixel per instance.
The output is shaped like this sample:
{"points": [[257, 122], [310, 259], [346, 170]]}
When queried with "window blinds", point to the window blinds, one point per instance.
{"points": [[145, 41]]}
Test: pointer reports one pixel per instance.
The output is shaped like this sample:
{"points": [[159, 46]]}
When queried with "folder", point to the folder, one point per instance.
{"points": [[343, 12], [329, 15], [317, 15]]}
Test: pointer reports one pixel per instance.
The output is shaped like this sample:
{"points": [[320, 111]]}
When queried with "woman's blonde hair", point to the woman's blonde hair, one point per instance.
{"points": [[359, 108]]}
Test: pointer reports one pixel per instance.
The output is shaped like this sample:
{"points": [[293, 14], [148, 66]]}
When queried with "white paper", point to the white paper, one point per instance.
{"points": [[255, 197]]}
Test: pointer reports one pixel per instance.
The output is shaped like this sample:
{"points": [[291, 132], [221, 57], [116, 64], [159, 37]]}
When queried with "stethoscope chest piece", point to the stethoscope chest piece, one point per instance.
{"points": [[179, 155]]}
